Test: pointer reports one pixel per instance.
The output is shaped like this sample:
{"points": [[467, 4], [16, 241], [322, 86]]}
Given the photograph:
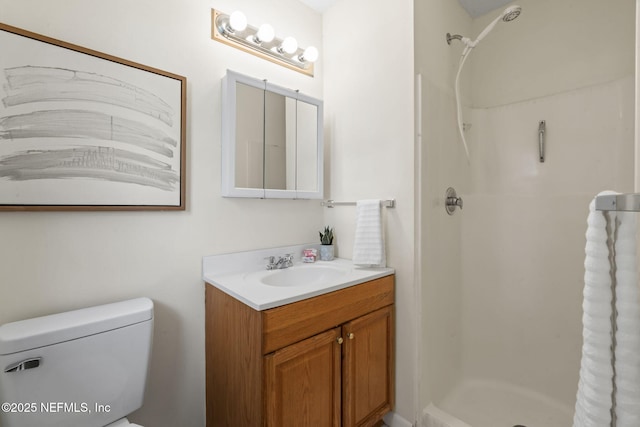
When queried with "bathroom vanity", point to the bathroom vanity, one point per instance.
{"points": [[325, 360]]}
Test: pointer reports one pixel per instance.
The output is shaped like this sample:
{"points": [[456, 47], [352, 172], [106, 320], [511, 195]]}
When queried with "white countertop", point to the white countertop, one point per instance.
{"points": [[240, 274]]}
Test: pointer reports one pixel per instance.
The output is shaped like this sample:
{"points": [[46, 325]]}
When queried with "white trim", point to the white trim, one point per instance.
{"points": [[394, 420]]}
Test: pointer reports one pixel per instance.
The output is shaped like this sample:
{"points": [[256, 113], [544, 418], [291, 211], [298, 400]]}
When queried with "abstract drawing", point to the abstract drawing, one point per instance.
{"points": [[82, 130]]}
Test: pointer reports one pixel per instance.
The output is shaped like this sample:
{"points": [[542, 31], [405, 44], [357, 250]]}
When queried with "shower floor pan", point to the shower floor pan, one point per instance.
{"points": [[477, 403]]}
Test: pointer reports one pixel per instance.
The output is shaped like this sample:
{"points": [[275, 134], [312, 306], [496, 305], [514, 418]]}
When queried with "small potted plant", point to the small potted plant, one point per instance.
{"points": [[326, 249]]}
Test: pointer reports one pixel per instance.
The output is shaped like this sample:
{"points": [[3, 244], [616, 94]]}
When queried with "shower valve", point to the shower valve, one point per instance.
{"points": [[452, 201]]}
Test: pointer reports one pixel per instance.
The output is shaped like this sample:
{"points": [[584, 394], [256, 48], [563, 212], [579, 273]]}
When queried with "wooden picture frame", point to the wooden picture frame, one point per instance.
{"points": [[84, 130]]}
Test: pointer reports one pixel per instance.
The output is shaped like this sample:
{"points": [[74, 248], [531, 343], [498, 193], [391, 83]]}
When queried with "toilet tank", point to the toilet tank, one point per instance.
{"points": [[82, 368]]}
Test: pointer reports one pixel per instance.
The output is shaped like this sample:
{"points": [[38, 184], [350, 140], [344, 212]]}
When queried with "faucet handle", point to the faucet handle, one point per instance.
{"points": [[288, 258], [271, 262]]}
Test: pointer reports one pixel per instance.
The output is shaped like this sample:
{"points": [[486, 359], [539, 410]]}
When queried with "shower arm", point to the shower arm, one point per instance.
{"points": [[472, 43], [453, 37], [466, 40], [508, 15]]}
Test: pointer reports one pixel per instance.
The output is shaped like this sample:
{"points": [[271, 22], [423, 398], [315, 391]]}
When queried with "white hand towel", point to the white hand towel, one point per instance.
{"points": [[368, 247]]}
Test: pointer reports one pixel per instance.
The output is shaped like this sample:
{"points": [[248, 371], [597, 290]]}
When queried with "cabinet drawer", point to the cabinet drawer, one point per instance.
{"points": [[294, 322]]}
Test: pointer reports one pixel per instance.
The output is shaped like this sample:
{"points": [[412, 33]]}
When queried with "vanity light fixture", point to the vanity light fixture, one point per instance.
{"points": [[236, 22], [289, 45], [233, 30], [310, 54], [265, 34]]}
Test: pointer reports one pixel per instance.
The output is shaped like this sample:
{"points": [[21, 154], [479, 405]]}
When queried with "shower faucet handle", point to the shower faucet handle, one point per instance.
{"points": [[455, 202], [452, 201]]}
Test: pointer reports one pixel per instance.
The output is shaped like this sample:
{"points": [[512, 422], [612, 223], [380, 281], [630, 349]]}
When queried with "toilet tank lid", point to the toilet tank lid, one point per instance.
{"points": [[56, 328]]}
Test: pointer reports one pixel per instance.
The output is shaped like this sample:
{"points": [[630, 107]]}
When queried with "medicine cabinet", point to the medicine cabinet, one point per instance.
{"points": [[272, 143]]}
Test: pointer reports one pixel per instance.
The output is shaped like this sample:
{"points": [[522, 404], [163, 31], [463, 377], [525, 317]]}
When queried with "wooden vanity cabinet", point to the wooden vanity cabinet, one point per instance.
{"points": [[325, 361]]}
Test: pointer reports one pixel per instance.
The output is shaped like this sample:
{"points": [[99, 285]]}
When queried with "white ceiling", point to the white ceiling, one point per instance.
{"points": [[319, 5], [475, 8]]}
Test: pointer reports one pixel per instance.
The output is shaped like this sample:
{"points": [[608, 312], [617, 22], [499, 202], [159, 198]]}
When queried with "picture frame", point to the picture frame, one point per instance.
{"points": [[85, 130]]}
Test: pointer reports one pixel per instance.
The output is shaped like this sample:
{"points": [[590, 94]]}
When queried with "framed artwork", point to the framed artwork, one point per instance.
{"points": [[83, 130]]}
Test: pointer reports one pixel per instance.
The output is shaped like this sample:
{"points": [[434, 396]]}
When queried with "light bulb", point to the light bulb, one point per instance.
{"points": [[237, 21], [265, 34], [289, 45], [310, 54]]}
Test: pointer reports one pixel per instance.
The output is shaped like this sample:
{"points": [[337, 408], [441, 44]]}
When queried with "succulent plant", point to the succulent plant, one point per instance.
{"points": [[326, 238]]}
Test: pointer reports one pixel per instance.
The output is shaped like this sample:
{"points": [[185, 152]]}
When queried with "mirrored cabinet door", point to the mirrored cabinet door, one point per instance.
{"points": [[307, 147], [250, 136], [279, 142]]}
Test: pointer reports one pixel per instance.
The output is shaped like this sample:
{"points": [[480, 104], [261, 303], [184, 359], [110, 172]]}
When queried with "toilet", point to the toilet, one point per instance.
{"points": [[82, 368]]}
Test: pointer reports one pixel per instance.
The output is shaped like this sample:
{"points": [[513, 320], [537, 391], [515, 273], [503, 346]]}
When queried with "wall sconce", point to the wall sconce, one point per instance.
{"points": [[234, 31]]}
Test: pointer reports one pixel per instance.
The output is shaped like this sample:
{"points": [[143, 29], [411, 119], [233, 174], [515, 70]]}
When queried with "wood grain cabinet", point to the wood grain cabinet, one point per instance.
{"points": [[325, 361]]}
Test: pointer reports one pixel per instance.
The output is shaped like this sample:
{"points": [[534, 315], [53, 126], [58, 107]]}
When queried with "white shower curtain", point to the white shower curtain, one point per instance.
{"points": [[595, 388]]}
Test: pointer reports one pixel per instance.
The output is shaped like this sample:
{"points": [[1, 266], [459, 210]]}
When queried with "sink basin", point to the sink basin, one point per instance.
{"points": [[303, 275]]}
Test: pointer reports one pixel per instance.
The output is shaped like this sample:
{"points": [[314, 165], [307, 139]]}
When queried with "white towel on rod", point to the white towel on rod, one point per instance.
{"points": [[627, 366], [594, 401], [368, 246], [595, 387]]}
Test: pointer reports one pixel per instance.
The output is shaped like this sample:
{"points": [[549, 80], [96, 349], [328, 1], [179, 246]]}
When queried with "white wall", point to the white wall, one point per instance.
{"points": [[441, 164], [370, 146], [52, 262], [637, 101], [553, 46]]}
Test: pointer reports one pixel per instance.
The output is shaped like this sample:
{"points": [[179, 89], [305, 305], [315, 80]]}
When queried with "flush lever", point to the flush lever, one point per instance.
{"points": [[24, 365]]}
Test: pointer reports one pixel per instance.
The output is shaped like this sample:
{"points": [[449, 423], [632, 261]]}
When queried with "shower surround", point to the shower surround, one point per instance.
{"points": [[502, 279]]}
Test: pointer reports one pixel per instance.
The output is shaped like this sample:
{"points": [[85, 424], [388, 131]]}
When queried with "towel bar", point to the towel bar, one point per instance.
{"points": [[390, 203]]}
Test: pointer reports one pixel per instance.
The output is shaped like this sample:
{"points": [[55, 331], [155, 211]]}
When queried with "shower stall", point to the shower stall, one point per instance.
{"points": [[502, 278]]}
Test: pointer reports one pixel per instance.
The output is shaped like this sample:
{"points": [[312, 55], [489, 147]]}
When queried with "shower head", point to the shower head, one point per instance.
{"points": [[508, 15], [511, 13]]}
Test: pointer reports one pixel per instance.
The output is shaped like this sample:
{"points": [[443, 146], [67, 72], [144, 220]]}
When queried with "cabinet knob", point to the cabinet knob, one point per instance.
{"points": [[350, 335], [340, 340]]}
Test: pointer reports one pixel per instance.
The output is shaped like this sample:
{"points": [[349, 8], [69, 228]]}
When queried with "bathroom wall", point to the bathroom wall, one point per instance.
{"points": [[441, 164], [370, 147], [637, 101], [570, 63], [54, 261]]}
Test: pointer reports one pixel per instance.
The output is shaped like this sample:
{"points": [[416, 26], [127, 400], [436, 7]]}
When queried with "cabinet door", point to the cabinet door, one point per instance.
{"points": [[368, 368], [302, 383]]}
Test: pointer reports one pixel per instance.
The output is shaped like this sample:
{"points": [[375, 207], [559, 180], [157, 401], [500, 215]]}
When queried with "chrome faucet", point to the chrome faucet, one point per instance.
{"points": [[279, 262]]}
